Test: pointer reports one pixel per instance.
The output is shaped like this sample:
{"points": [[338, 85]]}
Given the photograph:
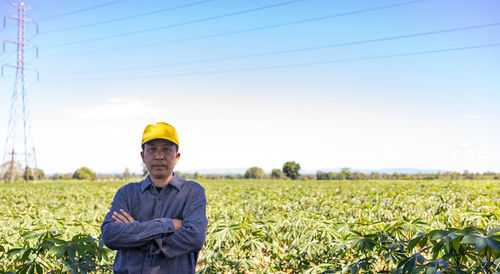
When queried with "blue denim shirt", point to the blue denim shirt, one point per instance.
{"points": [[149, 245]]}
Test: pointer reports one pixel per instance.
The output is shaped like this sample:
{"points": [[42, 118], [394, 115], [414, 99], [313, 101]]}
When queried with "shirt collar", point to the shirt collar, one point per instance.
{"points": [[176, 182]]}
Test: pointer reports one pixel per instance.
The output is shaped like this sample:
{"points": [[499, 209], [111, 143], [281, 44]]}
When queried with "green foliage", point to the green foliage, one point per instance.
{"points": [[277, 226], [6, 167], [291, 170], [346, 174], [39, 172], [449, 251], [46, 251], [20, 172], [63, 176], [276, 173], [84, 173], [254, 173]]}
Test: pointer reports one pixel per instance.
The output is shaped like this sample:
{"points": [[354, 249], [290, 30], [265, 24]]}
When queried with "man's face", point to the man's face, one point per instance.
{"points": [[160, 157]]}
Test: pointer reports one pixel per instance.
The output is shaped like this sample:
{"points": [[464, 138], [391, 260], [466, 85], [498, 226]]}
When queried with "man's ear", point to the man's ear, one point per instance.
{"points": [[177, 157], [142, 156]]}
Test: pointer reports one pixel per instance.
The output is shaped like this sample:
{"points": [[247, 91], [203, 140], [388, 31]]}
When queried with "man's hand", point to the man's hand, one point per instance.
{"points": [[124, 217], [177, 224]]}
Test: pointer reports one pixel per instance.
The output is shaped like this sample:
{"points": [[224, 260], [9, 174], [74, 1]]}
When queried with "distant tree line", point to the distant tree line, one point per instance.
{"points": [[290, 170], [85, 173], [346, 174], [20, 173]]}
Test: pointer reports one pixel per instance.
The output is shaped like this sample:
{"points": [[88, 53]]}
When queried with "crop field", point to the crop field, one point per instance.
{"points": [[279, 226]]}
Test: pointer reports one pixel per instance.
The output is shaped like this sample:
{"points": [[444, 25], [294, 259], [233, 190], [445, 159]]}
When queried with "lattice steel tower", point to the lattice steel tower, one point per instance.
{"points": [[19, 154]]}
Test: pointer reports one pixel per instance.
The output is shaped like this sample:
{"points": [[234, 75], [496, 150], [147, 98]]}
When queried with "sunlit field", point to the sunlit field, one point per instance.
{"points": [[277, 225]]}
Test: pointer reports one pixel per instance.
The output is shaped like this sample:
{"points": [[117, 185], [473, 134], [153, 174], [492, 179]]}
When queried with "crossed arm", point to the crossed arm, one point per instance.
{"points": [[173, 237], [124, 218]]}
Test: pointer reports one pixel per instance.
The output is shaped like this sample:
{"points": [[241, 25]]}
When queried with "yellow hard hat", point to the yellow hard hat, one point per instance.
{"points": [[160, 131]]}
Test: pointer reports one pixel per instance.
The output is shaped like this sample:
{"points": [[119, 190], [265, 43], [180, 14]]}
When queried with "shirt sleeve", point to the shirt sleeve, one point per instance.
{"points": [[135, 234], [193, 232]]}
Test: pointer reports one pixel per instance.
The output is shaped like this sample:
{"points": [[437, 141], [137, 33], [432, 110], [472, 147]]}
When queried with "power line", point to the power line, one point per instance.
{"points": [[346, 60], [177, 24], [246, 30], [128, 17], [80, 10], [359, 42]]}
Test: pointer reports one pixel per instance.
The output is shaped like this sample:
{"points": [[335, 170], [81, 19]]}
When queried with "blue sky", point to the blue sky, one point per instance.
{"points": [[329, 84]]}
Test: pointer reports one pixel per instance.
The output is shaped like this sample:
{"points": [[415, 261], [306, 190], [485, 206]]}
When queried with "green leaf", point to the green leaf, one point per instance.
{"points": [[455, 244], [71, 253], [31, 269], [423, 242], [475, 240], [414, 242], [101, 243], [25, 255], [66, 267], [409, 266], [32, 234], [14, 251], [436, 249], [438, 234], [58, 251], [493, 243], [57, 241], [23, 269], [493, 231], [431, 270], [39, 269], [363, 244]]}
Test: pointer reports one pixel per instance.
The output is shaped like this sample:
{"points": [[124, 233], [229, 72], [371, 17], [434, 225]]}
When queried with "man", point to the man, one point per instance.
{"points": [[157, 225]]}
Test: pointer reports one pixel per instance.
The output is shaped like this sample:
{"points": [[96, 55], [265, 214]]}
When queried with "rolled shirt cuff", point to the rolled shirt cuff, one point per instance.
{"points": [[168, 225]]}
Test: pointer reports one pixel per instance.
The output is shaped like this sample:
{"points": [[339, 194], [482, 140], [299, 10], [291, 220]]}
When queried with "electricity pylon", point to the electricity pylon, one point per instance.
{"points": [[19, 148]]}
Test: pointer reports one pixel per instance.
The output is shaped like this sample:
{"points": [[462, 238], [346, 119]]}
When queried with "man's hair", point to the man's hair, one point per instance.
{"points": [[172, 143]]}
